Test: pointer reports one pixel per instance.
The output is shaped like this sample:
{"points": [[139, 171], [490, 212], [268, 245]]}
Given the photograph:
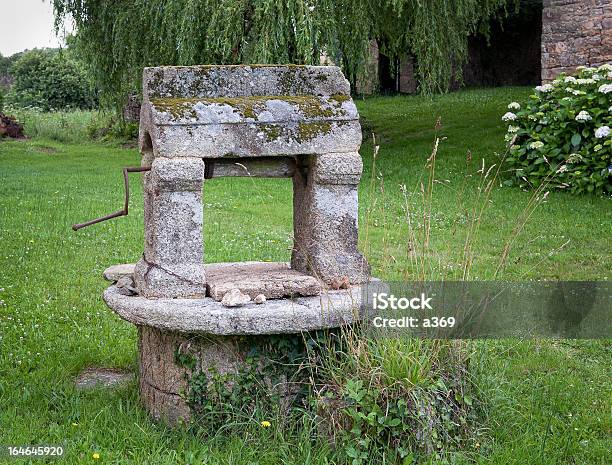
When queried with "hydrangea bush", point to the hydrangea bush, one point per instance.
{"points": [[563, 136]]}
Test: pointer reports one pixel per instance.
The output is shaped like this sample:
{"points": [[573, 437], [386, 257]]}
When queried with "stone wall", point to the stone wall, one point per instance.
{"points": [[575, 33]]}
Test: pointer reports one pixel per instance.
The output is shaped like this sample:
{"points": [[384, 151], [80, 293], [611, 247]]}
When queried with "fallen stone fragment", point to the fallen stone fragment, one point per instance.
{"points": [[260, 299], [116, 272], [126, 286], [340, 283], [235, 298]]}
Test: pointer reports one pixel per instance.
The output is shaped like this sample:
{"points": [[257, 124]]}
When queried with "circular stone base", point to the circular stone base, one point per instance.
{"points": [[180, 337], [331, 309], [177, 370]]}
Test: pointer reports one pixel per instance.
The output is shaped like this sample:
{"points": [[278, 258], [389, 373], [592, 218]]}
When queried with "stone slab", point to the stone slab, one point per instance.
{"points": [[256, 109], [330, 309], [115, 272], [250, 139], [273, 280], [242, 81]]}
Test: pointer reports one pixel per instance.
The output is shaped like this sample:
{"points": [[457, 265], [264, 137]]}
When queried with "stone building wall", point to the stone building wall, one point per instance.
{"points": [[575, 33]]}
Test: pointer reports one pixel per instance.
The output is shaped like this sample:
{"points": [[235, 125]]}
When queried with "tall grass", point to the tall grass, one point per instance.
{"points": [[73, 126]]}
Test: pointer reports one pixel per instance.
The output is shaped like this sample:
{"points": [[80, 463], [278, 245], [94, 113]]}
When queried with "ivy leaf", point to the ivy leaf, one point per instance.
{"points": [[576, 139]]}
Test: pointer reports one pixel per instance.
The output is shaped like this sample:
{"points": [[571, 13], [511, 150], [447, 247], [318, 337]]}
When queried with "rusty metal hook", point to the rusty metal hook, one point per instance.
{"points": [[124, 211]]}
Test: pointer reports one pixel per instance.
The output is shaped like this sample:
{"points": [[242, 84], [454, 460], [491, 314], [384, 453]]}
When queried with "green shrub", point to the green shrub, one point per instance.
{"points": [[1, 98], [562, 138], [50, 80]]}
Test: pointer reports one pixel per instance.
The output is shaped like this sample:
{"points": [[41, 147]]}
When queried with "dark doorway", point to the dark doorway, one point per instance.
{"points": [[512, 56]]}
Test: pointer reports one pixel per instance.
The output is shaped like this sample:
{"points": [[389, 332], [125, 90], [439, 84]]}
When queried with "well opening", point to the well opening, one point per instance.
{"points": [[247, 217]]}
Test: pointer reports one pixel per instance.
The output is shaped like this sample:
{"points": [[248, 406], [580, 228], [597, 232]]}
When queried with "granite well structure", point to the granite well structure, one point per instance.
{"points": [[202, 122]]}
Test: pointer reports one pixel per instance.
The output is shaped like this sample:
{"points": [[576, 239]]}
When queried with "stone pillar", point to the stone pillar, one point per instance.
{"points": [[173, 261], [325, 214]]}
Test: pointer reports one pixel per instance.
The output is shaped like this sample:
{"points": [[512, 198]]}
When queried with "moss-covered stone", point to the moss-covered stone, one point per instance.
{"points": [[251, 107], [309, 131]]}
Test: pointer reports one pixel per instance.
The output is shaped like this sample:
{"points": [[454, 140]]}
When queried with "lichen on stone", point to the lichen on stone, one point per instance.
{"points": [[251, 107]]}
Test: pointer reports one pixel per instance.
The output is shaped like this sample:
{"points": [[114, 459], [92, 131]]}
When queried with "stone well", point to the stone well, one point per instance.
{"points": [[202, 122]]}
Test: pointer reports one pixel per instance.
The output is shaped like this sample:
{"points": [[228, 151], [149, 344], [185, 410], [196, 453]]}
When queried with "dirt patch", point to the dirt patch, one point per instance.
{"points": [[45, 149], [93, 377]]}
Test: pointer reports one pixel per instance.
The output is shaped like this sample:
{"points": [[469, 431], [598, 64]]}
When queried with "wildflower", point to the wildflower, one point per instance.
{"points": [[509, 117], [602, 132], [536, 145], [583, 116], [96, 456], [75, 424], [545, 88], [574, 158], [514, 106], [562, 169], [605, 88], [513, 129], [266, 424]]}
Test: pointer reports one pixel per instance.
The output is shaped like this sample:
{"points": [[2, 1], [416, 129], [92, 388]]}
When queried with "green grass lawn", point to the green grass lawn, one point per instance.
{"points": [[544, 402]]}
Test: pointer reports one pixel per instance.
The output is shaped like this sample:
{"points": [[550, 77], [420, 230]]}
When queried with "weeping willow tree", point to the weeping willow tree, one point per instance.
{"points": [[117, 38]]}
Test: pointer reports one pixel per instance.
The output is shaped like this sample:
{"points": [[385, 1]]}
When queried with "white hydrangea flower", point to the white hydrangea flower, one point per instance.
{"points": [[545, 88], [532, 117], [574, 91], [602, 132], [583, 116], [570, 79], [597, 77], [605, 88], [513, 129], [610, 109], [606, 67], [509, 117], [536, 145], [584, 82], [514, 106]]}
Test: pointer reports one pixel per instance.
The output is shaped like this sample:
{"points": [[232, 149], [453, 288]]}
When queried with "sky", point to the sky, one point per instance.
{"points": [[26, 24]]}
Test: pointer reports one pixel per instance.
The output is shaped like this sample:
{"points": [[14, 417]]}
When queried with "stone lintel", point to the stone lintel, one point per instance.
{"points": [[264, 167]]}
